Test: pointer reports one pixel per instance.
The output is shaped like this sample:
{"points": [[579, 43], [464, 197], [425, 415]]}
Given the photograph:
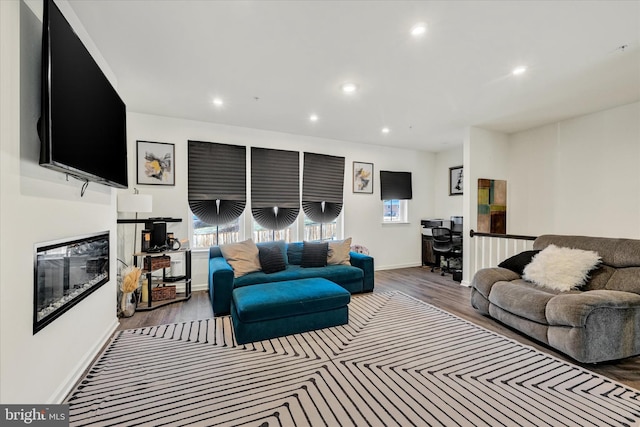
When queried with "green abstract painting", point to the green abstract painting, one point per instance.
{"points": [[492, 206]]}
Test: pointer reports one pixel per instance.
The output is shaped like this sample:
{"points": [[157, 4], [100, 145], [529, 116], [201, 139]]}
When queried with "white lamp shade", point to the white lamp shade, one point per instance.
{"points": [[135, 203]]}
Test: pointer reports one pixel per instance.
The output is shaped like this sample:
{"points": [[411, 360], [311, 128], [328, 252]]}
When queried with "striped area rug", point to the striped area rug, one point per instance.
{"points": [[399, 362]]}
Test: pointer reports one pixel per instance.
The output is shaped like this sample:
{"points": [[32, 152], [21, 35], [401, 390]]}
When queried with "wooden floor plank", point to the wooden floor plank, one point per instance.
{"points": [[418, 282]]}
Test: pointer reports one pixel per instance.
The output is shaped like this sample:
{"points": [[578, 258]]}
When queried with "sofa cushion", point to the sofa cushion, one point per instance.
{"points": [[625, 279], [271, 259], [347, 276], [518, 262], [574, 309], [242, 257], [314, 254], [339, 252], [285, 299], [599, 278], [561, 268], [535, 330], [522, 298], [619, 253]]}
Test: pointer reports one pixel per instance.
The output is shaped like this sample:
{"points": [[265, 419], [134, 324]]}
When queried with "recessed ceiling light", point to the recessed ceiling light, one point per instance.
{"points": [[349, 88], [313, 118], [519, 70], [218, 102], [419, 29], [386, 130]]}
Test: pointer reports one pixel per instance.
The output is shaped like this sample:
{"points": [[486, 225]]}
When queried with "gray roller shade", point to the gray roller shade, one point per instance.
{"points": [[322, 187], [395, 185], [217, 181], [275, 187]]}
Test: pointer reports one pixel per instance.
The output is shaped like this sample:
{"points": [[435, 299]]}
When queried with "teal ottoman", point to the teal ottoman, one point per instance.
{"points": [[271, 310]]}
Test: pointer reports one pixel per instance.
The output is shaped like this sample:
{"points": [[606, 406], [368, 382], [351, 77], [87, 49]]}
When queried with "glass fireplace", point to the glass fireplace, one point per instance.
{"points": [[66, 272]]}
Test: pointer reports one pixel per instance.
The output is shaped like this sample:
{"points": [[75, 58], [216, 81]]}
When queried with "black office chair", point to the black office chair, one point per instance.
{"points": [[445, 246]]}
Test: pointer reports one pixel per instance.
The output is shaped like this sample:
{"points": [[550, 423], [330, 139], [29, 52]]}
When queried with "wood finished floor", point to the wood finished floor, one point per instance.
{"points": [[418, 282]]}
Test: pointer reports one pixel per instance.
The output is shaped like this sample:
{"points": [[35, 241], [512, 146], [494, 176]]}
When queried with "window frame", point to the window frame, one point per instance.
{"points": [[403, 212], [246, 229]]}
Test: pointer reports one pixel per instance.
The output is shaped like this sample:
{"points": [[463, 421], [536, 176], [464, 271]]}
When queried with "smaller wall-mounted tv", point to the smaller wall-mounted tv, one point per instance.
{"points": [[82, 127]]}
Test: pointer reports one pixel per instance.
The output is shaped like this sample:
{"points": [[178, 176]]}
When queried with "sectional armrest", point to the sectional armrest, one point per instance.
{"points": [[485, 278], [220, 285], [365, 263]]}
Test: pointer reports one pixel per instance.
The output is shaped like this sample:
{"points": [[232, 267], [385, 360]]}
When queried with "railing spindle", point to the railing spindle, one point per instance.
{"points": [[491, 248]]}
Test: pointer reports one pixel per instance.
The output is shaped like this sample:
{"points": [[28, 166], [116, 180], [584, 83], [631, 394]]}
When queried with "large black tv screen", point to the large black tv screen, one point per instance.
{"points": [[83, 125]]}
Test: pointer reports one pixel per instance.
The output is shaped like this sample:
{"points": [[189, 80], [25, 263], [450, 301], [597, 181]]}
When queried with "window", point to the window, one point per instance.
{"points": [[275, 187], [216, 192], [263, 234], [395, 190], [319, 231], [217, 195], [322, 187], [206, 235], [394, 210]]}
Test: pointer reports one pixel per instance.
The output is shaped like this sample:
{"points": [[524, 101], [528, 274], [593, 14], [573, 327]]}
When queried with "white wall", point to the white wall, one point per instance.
{"points": [[446, 205], [485, 156], [392, 246], [578, 176], [38, 205]]}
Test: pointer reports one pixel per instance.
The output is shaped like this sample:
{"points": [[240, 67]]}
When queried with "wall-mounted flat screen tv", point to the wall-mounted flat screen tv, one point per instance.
{"points": [[82, 128]]}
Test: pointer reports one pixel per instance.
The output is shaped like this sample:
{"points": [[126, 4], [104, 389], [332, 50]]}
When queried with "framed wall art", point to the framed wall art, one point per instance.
{"points": [[155, 163], [363, 177], [455, 181], [492, 206]]}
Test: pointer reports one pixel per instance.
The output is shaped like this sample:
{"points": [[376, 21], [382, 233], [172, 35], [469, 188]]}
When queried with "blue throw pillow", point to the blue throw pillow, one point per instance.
{"points": [[271, 259], [294, 253], [280, 244], [314, 254]]}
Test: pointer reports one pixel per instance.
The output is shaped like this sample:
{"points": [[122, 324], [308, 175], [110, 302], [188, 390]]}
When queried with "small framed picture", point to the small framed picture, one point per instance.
{"points": [[455, 181], [155, 163], [363, 177]]}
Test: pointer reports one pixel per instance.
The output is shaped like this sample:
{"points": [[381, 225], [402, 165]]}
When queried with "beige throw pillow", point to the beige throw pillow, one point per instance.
{"points": [[339, 252], [243, 257]]}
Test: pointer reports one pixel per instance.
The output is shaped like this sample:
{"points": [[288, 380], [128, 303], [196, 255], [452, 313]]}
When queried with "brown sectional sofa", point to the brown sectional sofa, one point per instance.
{"points": [[598, 322]]}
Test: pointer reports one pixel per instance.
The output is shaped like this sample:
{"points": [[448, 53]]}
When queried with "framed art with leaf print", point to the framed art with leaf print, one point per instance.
{"points": [[155, 163], [363, 177]]}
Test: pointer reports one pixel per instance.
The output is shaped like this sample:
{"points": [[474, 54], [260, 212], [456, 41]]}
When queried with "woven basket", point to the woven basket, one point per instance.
{"points": [[161, 293], [156, 263]]}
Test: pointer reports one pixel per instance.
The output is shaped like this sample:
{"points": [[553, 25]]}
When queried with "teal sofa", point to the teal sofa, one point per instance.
{"points": [[355, 278]]}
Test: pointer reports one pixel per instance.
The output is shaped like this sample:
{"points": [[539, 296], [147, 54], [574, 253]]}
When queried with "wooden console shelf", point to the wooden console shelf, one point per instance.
{"points": [[144, 258]]}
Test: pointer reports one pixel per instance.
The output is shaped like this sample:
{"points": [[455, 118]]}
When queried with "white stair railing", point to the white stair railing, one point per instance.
{"points": [[490, 249]]}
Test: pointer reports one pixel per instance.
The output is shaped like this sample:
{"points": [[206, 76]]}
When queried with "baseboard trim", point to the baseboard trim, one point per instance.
{"points": [[199, 287], [393, 267], [67, 385]]}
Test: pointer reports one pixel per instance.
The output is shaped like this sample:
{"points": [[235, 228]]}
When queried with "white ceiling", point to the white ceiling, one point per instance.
{"points": [[276, 62]]}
